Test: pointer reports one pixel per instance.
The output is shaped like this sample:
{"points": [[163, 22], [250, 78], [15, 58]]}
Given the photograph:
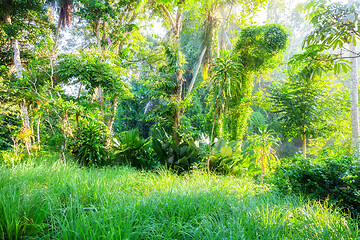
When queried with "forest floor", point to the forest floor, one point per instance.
{"points": [[53, 200]]}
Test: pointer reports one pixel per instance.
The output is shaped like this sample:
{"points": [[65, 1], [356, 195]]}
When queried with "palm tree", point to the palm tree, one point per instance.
{"points": [[265, 155], [223, 72]]}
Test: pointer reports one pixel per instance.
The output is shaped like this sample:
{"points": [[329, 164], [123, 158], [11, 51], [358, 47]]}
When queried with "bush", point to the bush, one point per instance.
{"points": [[133, 150], [11, 157], [227, 158], [89, 144], [333, 179], [180, 157]]}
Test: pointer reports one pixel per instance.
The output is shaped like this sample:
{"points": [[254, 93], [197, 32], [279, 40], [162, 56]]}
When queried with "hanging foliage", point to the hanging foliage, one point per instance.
{"points": [[255, 51]]}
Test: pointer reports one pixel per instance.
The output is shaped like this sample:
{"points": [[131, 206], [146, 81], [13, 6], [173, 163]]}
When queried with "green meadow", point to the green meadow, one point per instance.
{"points": [[54, 200]]}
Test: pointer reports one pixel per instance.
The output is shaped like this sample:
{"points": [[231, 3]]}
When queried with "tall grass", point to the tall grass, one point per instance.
{"points": [[63, 201]]}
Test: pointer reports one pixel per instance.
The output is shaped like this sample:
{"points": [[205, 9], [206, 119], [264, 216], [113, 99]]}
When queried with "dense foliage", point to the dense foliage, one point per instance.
{"points": [[336, 180], [189, 86]]}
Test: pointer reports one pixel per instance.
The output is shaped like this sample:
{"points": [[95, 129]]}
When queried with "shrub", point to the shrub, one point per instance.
{"points": [[227, 158], [11, 157], [181, 157], [88, 146], [333, 179], [133, 150]]}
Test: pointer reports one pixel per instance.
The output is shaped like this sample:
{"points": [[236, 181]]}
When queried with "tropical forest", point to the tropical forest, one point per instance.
{"points": [[179, 119]]}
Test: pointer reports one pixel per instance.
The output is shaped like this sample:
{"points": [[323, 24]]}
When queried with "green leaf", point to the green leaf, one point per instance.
{"points": [[226, 151]]}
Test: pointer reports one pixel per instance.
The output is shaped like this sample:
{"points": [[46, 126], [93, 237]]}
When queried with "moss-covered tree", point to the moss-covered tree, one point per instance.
{"points": [[255, 51]]}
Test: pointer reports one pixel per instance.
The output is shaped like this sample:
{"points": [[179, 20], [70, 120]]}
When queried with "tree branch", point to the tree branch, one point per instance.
{"points": [[143, 59], [168, 15], [355, 53]]}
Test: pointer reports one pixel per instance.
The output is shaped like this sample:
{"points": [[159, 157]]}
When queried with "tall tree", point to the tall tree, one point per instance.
{"points": [[13, 15], [336, 27], [112, 24], [354, 86], [298, 99], [254, 51], [65, 17], [173, 16], [221, 23]]}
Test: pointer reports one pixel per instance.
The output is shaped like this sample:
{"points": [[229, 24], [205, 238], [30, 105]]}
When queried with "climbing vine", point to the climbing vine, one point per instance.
{"points": [[255, 51]]}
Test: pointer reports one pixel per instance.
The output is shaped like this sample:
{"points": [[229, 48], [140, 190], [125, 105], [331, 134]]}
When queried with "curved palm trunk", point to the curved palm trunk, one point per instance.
{"points": [[57, 33], [196, 71]]}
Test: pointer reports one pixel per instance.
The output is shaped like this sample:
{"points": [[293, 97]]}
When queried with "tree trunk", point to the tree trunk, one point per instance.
{"points": [[354, 99], [79, 92], [111, 122], [196, 71], [176, 28], [17, 60], [178, 108], [15, 45], [217, 105], [38, 132], [57, 33], [303, 137], [97, 33], [18, 66], [262, 168], [104, 35], [176, 25]]}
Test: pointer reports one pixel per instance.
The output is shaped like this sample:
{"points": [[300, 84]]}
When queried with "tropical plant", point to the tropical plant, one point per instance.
{"points": [[336, 28], [224, 76], [180, 157], [132, 149], [298, 99], [261, 144], [228, 158], [88, 146]]}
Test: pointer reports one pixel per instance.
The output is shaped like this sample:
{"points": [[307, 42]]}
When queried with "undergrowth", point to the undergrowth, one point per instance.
{"points": [[53, 200]]}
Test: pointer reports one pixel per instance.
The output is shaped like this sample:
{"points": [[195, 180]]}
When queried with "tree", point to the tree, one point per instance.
{"points": [[262, 144], [220, 24], [13, 16], [298, 100], [336, 25], [173, 12], [254, 51], [224, 72], [65, 17], [88, 69]]}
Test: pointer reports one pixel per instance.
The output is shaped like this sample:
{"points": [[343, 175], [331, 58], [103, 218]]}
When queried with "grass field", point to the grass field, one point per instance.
{"points": [[57, 201]]}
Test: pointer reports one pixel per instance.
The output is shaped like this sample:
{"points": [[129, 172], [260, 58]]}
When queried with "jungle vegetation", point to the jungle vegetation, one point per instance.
{"points": [[116, 109]]}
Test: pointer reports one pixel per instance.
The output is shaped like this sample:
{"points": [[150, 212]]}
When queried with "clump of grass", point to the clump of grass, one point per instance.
{"points": [[22, 212], [121, 203]]}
